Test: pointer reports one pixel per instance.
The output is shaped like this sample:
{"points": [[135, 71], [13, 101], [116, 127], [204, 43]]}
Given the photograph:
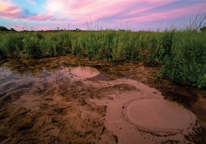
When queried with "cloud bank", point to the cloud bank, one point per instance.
{"points": [[81, 12]]}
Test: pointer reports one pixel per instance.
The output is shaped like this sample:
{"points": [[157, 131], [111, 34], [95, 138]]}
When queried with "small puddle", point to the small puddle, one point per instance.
{"points": [[158, 115], [84, 72]]}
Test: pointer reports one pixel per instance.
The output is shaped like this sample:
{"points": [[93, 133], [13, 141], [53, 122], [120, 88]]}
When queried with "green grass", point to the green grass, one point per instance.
{"points": [[182, 53]]}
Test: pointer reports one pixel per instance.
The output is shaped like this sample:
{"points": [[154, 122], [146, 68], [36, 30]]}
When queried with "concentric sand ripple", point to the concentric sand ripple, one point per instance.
{"points": [[159, 115]]}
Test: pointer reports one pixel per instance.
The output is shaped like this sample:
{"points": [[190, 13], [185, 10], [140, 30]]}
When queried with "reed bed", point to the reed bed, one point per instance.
{"points": [[182, 53]]}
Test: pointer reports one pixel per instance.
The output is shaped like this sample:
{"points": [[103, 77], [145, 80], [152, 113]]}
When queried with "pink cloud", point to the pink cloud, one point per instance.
{"points": [[18, 27], [81, 11], [11, 11], [146, 5], [45, 28], [41, 17], [167, 15]]}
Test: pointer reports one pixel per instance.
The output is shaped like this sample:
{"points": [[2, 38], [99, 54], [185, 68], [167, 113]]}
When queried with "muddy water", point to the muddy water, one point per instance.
{"points": [[74, 100]]}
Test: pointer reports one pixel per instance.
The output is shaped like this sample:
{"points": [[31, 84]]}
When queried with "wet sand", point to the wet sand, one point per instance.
{"points": [[75, 100], [157, 114]]}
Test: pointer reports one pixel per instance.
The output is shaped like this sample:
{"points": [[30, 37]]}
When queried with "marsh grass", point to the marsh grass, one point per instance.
{"points": [[182, 53]]}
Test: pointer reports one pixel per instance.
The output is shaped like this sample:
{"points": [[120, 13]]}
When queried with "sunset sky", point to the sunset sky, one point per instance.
{"points": [[115, 14]]}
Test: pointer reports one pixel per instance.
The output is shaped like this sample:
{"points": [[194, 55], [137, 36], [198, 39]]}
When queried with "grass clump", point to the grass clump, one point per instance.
{"points": [[10, 45], [186, 62]]}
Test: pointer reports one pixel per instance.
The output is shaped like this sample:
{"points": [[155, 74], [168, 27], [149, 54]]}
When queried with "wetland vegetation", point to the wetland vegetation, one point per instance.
{"points": [[182, 53]]}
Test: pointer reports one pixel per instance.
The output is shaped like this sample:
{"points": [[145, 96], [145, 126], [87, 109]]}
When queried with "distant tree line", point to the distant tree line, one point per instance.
{"points": [[203, 29], [2, 28]]}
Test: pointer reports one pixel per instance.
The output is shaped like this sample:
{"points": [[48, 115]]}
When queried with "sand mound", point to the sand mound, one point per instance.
{"points": [[158, 115]]}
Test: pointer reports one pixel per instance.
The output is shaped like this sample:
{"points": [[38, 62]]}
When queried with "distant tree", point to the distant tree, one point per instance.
{"points": [[77, 29], [11, 29], [2, 28], [203, 29]]}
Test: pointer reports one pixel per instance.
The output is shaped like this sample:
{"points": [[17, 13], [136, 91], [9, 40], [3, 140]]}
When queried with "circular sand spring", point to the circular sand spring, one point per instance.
{"points": [[157, 115], [85, 72]]}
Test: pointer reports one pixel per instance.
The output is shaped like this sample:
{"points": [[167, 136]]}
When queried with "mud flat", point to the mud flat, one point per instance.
{"points": [[75, 100], [143, 116]]}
